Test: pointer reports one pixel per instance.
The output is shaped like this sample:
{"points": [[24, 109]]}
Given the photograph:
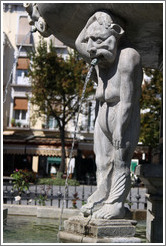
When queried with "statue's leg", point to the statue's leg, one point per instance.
{"points": [[104, 161], [120, 186]]}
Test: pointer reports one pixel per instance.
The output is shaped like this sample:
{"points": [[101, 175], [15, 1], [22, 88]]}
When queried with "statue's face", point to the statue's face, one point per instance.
{"points": [[101, 43]]}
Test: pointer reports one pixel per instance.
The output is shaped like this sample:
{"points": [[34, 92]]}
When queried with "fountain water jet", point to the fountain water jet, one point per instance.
{"points": [[93, 63]]}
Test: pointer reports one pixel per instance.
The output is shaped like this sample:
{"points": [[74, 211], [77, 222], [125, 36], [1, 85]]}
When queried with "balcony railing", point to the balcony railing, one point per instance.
{"points": [[22, 81]]}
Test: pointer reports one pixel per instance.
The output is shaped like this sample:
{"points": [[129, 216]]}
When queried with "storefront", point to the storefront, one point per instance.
{"points": [[39, 154]]}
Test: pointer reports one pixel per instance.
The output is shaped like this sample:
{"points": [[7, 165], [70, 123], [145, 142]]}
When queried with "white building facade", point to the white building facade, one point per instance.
{"points": [[17, 110]]}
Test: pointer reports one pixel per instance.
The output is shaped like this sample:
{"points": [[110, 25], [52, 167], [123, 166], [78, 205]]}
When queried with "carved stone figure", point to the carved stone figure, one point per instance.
{"points": [[119, 78]]}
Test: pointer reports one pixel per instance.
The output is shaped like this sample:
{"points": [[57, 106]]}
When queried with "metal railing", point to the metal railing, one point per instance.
{"points": [[76, 196]]}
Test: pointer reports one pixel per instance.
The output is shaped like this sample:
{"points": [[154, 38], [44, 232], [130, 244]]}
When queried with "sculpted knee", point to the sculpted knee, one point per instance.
{"points": [[123, 167]]}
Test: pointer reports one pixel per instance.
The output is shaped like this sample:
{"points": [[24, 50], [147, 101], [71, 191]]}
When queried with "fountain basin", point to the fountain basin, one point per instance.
{"points": [[30, 229]]}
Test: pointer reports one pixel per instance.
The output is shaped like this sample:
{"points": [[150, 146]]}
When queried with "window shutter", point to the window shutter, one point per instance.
{"points": [[20, 103], [23, 63]]}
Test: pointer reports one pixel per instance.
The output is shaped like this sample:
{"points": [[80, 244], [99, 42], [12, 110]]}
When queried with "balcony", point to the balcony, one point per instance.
{"points": [[21, 78], [24, 81], [28, 42]]}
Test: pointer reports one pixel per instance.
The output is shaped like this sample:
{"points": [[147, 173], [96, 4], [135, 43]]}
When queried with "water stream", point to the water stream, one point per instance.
{"points": [[93, 63]]}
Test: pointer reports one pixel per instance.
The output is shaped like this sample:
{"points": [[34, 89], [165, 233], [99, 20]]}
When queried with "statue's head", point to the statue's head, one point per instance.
{"points": [[102, 36]]}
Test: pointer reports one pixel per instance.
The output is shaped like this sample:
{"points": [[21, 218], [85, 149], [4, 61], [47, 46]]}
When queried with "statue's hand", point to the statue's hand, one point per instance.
{"points": [[117, 139]]}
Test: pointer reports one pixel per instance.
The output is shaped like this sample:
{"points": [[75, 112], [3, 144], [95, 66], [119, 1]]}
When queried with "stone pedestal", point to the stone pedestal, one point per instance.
{"points": [[152, 177], [86, 230], [154, 225]]}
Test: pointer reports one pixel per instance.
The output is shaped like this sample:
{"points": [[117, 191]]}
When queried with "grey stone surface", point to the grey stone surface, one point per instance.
{"points": [[88, 230], [119, 79], [152, 177], [154, 225], [40, 211], [100, 228], [143, 24], [76, 238]]}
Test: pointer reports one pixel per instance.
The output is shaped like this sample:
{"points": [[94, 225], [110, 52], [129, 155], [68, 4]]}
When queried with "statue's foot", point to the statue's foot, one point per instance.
{"points": [[110, 211], [86, 209], [89, 209]]}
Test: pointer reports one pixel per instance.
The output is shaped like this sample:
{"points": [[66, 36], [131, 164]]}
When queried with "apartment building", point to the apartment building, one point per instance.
{"points": [[27, 145]]}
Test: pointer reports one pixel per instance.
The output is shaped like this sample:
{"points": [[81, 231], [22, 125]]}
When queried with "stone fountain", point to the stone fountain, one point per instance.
{"points": [[121, 37]]}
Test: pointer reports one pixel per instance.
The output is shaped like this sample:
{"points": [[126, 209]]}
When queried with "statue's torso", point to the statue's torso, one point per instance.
{"points": [[108, 93], [108, 89]]}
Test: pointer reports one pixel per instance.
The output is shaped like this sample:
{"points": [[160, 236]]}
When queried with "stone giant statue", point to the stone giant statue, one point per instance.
{"points": [[119, 78]]}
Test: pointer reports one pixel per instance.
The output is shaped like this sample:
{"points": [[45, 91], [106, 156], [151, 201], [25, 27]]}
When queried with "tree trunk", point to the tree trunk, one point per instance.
{"points": [[63, 154]]}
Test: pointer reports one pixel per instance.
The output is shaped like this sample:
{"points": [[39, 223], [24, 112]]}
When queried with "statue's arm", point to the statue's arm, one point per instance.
{"points": [[128, 95], [81, 45]]}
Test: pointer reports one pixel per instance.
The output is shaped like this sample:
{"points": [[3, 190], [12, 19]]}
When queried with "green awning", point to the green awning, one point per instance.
{"points": [[134, 163], [54, 160]]}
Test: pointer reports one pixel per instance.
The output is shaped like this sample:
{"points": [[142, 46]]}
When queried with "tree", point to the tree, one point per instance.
{"points": [[151, 104], [57, 87]]}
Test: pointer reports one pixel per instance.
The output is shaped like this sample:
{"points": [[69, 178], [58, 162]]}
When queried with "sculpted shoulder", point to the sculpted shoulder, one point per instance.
{"points": [[129, 59]]}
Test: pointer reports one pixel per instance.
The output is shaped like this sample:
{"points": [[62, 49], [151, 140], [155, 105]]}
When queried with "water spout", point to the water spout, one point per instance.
{"points": [[93, 64]]}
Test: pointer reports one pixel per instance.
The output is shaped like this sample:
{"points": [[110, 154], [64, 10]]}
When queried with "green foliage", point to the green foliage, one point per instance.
{"points": [[74, 200], [41, 199], [22, 178], [30, 176], [57, 181], [57, 83], [151, 102], [13, 122], [57, 86], [18, 124], [83, 203], [129, 202]]}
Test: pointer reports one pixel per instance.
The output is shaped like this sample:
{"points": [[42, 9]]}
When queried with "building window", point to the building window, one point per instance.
{"points": [[22, 71], [20, 114], [52, 123], [23, 30], [20, 110]]}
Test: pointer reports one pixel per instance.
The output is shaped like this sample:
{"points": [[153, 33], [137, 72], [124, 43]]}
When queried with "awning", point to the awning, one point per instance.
{"points": [[54, 160], [134, 163], [23, 63], [35, 150], [20, 103], [14, 149], [85, 146]]}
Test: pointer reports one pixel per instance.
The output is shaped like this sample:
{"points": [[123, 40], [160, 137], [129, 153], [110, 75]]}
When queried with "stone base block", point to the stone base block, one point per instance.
{"points": [[67, 237], [80, 229]]}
